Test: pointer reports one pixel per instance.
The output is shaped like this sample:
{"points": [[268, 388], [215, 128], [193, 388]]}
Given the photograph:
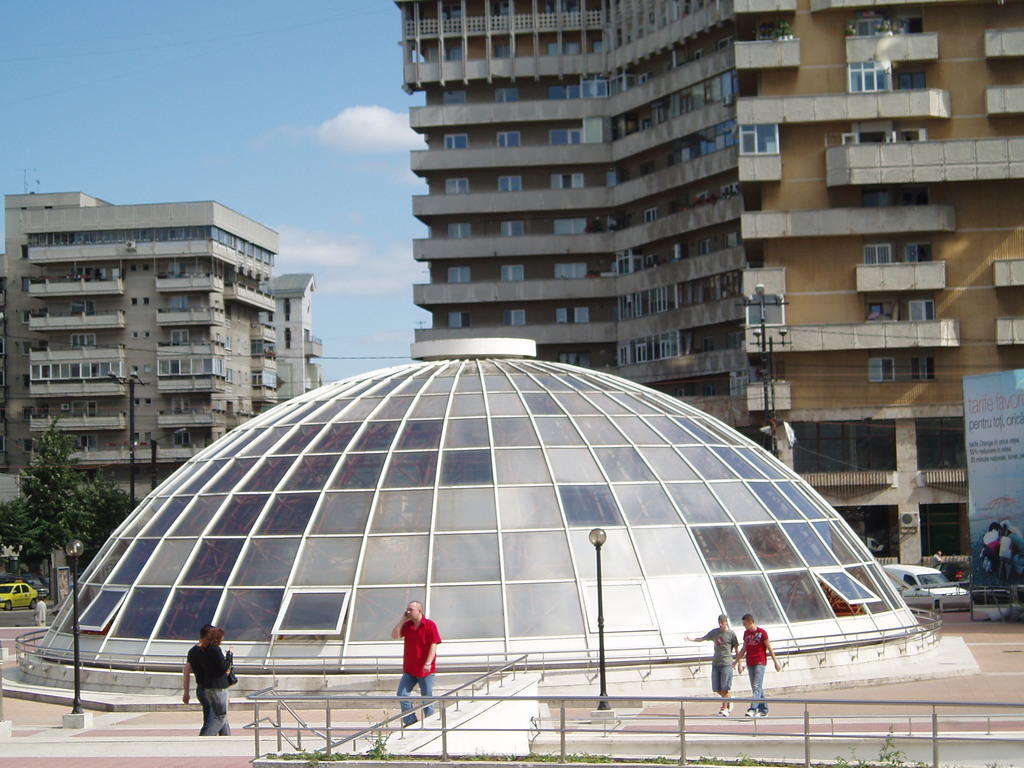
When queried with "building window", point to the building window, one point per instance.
{"points": [[940, 443], [458, 319], [759, 139], [570, 271], [458, 274], [581, 359], [511, 228], [558, 136], [453, 53], [847, 446], [83, 340], [514, 317], [570, 226], [511, 273], [456, 141], [920, 310], [909, 81], [567, 181], [454, 97], [506, 94], [874, 197], [915, 252], [878, 253], [572, 314], [508, 138], [456, 186], [881, 369], [922, 368], [914, 196], [868, 77], [650, 214], [502, 51], [510, 183], [459, 230]]}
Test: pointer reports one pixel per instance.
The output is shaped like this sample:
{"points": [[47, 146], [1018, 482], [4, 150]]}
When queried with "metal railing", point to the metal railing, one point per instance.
{"points": [[925, 634], [798, 729]]}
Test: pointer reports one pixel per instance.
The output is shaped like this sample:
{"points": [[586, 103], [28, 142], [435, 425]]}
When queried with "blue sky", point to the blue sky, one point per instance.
{"points": [[289, 113]]}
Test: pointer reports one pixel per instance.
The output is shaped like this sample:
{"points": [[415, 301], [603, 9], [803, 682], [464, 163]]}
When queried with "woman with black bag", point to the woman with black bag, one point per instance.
{"points": [[218, 676]]}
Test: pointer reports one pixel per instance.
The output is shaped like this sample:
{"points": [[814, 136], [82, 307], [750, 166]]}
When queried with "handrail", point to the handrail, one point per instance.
{"points": [[582, 658], [922, 725]]}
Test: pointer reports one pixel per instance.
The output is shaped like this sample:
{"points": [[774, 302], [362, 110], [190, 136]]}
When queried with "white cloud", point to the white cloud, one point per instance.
{"points": [[368, 129], [348, 265]]}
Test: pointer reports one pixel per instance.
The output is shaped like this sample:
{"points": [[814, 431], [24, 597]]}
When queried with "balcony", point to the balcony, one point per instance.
{"points": [[514, 23], [262, 332], [825, 5], [922, 162], [254, 298], [1008, 273], [875, 334], [542, 333], [313, 347], [758, 225], [945, 479], [915, 276], [190, 418], [782, 391], [91, 388], [513, 291], [207, 283], [837, 107], [189, 349], [764, 6], [435, 249], [79, 321], [175, 384], [1010, 330], [198, 316], [77, 421], [716, 363], [760, 168], [768, 54], [1005, 100], [899, 47], [444, 116], [56, 287], [1001, 43], [114, 356], [427, 160], [490, 201]]}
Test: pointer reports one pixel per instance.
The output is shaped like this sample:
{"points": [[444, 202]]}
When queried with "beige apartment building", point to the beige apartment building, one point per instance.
{"points": [[803, 216], [144, 319], [297, 348]]}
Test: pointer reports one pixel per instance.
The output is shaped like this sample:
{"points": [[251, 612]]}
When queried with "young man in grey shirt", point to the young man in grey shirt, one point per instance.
{"points": [[726, 643]]}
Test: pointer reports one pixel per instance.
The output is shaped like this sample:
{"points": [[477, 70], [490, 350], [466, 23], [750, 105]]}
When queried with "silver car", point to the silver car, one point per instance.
{"points": [[923, 587]]}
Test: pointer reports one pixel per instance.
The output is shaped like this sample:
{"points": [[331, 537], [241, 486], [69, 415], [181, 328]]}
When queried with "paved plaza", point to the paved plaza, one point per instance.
{"points": [[166, 738]]}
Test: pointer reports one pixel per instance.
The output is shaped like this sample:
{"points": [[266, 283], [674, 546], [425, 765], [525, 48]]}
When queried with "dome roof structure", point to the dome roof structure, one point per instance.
{"points": [[472, 485]]}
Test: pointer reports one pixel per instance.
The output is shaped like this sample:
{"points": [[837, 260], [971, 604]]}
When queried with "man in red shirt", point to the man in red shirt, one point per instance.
{"points": [[418, 660], [756, 649]]}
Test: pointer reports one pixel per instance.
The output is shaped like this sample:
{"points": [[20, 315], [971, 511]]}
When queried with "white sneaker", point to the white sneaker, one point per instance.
{"points": [[724, 711], [762, 713], [728, 708], [751, 713]]}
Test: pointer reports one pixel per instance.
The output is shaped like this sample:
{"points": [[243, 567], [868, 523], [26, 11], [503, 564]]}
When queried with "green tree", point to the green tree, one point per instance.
{"points": [[16, 527], [106, 506]]}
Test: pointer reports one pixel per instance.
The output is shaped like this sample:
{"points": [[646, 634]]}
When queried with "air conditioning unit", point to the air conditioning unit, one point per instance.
{"points": [[910, 519], [851, 138], [677, 252], [129, 244], [65, 406], [728, 99]]}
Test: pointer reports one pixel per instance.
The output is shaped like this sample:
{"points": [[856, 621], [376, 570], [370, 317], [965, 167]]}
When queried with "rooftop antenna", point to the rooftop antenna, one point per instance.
{"points": [[24, 179]]}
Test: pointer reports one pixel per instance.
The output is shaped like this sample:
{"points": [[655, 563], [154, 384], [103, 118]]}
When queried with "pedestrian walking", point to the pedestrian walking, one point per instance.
{"points": [[725, 645], [419, 659], [756, 649]]}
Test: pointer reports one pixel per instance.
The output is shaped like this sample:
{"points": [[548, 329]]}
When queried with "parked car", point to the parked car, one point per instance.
{"points": [[955, 571], [17, 594], [924, 587], [40, 585]]}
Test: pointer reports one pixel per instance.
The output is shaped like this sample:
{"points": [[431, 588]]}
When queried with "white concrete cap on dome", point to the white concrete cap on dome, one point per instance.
{"points": [[470, 349]]}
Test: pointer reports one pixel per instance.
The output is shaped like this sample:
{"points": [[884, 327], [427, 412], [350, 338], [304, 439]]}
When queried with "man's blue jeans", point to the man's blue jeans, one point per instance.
{"points": [[205, 702], [218, 724], [756, 675], [405, 686]]}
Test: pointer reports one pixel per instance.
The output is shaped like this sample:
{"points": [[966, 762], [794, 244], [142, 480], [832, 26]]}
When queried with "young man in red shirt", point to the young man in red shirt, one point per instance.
{"points": [[756, 649], [418, 660]]}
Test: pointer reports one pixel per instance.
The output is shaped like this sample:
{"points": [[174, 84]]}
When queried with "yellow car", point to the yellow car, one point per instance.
{"points": [[17, 594]]}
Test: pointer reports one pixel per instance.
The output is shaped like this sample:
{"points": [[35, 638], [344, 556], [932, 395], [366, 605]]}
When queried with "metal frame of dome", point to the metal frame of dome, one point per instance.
{"points": [[472, 485]]}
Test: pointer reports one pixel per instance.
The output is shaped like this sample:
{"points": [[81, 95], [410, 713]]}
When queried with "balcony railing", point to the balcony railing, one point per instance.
{"points": [[520, 22]]}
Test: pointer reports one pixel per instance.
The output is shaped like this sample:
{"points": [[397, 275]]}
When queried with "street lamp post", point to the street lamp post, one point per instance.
{"points": [[74, 550], [131, 429], [766, 350], [598, 537]]}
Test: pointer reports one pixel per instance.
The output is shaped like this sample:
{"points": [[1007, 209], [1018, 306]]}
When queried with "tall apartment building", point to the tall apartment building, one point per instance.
{"points": [[152, 314], [296, 347], [801, 215]]}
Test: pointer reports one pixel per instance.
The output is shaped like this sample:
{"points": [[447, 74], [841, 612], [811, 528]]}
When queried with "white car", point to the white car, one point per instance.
{"points": [[923, 587]]}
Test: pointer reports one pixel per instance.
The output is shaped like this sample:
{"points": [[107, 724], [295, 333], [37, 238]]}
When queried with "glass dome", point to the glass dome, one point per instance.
{"points": [[472, 485]]}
